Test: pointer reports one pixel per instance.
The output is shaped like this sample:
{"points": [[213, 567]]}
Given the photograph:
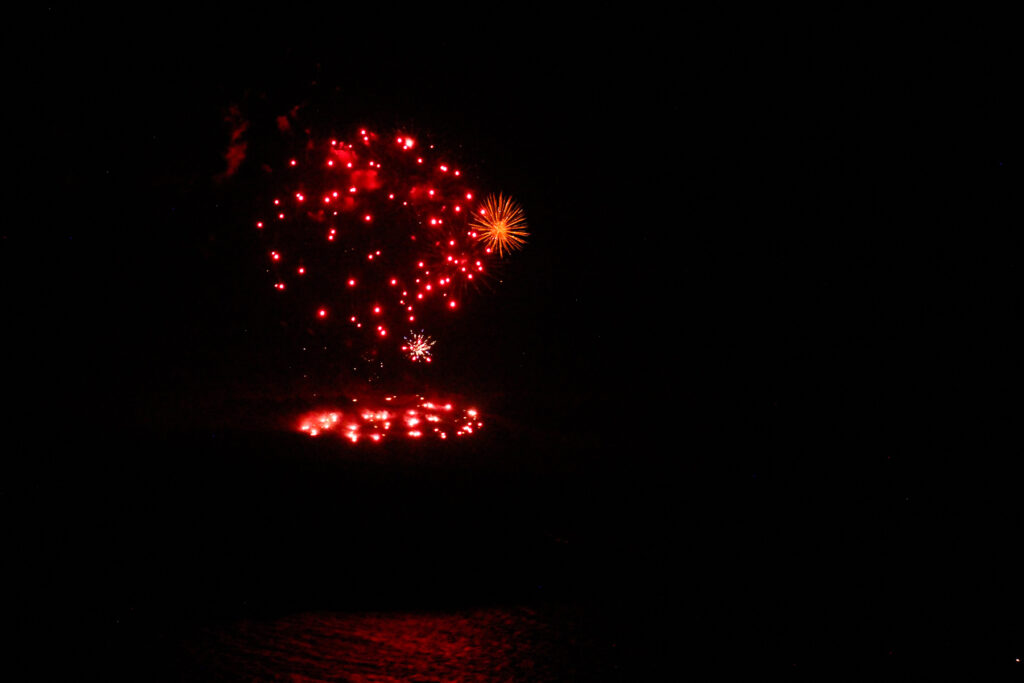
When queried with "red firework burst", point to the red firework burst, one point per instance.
{"points": [[367, 237]]}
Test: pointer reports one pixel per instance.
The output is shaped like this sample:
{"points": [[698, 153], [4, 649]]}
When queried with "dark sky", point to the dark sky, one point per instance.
{"points": [[693, 195], [677, 176], [609, 145], [731, 230]]}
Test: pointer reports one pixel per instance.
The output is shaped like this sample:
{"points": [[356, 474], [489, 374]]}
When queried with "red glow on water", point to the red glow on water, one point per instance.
{"points": [[469, 646]]}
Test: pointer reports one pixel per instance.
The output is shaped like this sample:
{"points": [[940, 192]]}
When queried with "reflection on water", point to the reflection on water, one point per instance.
{"points": [[493, 644]]}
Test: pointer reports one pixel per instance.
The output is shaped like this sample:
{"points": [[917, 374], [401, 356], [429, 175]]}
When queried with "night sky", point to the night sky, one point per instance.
{"points": [[716, 368]]}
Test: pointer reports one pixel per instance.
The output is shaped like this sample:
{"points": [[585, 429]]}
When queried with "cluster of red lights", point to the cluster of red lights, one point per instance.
{"points": [[366, 238], [415, 419], [374, 233]]}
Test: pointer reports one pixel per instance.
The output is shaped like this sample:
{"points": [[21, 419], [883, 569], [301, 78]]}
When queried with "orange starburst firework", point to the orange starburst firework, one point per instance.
{"points": [[501, 224]]}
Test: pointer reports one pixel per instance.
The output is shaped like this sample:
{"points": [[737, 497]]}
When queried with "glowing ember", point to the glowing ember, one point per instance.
{"points": [[421, 419]]}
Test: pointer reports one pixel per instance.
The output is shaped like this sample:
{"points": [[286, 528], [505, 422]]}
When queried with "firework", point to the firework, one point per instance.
{"points": [[363, 237], [417, 347], [500, 224], [373, 234]]}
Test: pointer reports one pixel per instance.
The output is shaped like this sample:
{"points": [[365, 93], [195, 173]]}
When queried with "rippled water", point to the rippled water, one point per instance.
{"points": [[489, 644]]}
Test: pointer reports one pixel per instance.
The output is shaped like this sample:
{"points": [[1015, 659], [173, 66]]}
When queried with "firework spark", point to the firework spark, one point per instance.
{"points": [[500, 224]]}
